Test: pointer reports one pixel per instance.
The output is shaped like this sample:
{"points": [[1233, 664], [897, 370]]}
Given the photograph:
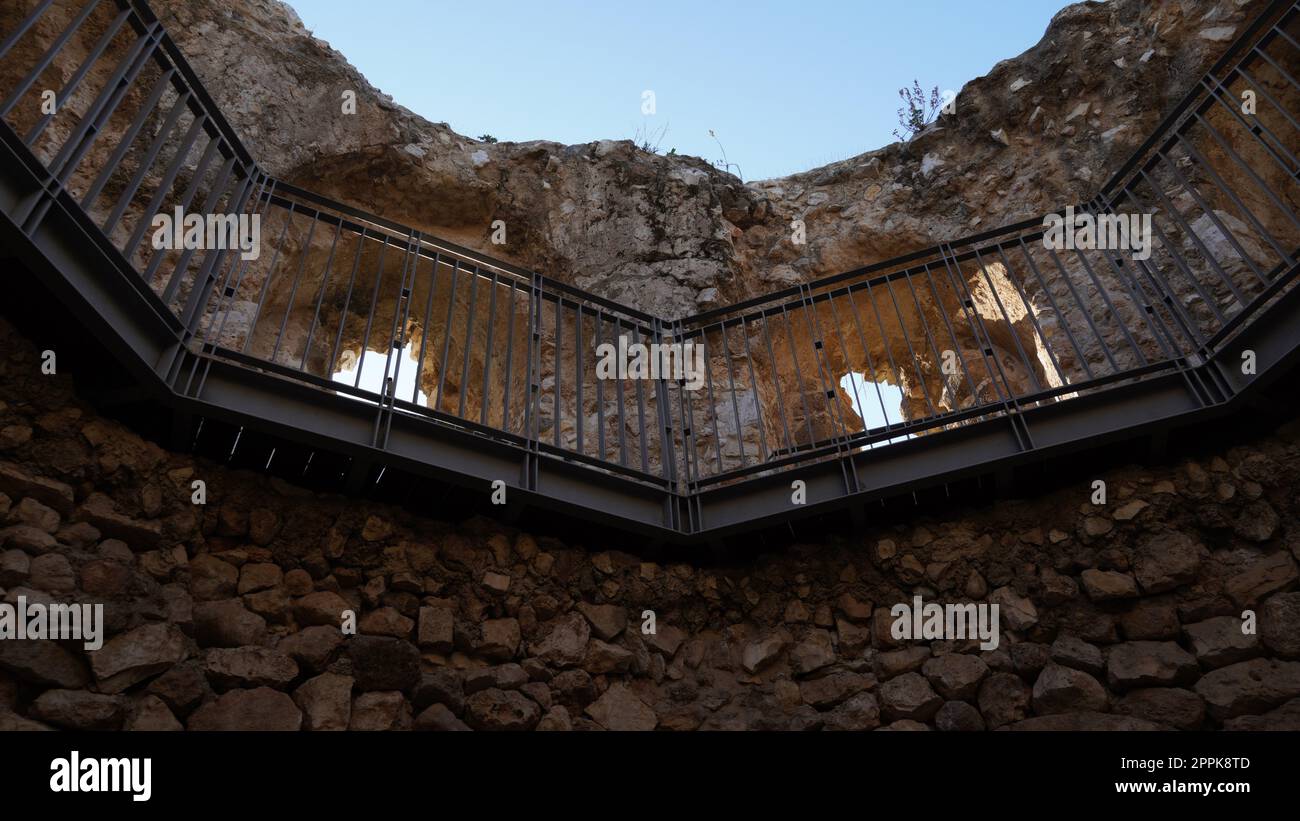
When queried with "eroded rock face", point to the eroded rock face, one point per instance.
{"points": [[673, 235], [658, 232]]}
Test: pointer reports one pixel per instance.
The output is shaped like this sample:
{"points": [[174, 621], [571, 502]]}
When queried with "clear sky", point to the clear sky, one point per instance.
{"points": [[786, 86]]}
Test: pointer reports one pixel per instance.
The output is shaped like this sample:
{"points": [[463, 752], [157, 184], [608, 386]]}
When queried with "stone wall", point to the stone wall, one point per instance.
{"points": [[226, 616], [671, 234]]}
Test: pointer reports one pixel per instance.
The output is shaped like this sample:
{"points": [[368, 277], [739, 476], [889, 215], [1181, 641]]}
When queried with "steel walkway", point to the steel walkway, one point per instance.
{"points": [[1011, 350]]}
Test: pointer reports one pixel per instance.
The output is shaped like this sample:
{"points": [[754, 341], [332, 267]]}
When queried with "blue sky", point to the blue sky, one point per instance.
{"points": [[786, 86]]}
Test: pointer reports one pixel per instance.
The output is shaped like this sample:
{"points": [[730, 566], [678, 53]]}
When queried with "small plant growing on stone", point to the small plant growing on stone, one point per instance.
{"points": [[723, 163], [648, 140], [917, 111], [487, 138]]}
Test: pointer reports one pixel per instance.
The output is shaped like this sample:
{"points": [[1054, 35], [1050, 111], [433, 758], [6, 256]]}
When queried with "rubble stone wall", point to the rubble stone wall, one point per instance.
{"points": [[227, 615]]}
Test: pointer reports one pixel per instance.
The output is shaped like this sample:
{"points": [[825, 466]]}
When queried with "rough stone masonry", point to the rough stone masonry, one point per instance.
{"points": [[226, 615]]}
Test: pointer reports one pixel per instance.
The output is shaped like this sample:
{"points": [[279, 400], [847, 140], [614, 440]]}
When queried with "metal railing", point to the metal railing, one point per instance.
{"points": [[979, 328], [486, 346], [991, 324]]}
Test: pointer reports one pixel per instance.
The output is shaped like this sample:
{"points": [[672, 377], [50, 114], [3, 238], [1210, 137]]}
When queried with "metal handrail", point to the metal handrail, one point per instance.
{"points": [[983, 327]]}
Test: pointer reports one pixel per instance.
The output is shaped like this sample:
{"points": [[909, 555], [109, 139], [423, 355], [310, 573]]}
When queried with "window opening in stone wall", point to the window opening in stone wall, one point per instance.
{"points": [[372, 367], [878, 403]]}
